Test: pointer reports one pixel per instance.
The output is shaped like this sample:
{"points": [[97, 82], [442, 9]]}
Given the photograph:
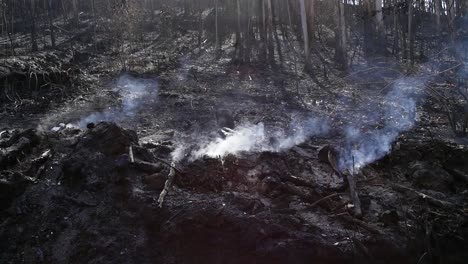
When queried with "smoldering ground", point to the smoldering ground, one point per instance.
{"points": [[134, 93], [250, 137]]}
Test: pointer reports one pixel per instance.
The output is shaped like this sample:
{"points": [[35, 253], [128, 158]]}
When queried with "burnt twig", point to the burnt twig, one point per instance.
{"points": [[323, 199], [354, 195], [429, 199], [167, 185]]}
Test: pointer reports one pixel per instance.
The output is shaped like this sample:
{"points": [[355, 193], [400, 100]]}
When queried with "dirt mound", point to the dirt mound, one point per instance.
{"points": [[77, 195]]}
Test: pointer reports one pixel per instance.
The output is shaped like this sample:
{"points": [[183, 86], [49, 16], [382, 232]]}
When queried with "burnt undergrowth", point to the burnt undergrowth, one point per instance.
{"points": [[71, 193]]}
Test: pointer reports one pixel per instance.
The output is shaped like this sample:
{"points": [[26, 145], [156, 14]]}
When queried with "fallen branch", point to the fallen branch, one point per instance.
{"points": [[130, 154], [304, 195], [147, 166], [167, 185], [361, 223], [323, 199], [297, 181], [66, 31], [429, 199], [168, 164]]}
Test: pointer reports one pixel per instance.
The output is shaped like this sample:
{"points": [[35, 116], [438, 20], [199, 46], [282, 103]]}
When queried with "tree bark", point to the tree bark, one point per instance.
{"points": [[32, 13], [271, 46], [451, 18], [379, 27], [217, 46], [51, 22], [410, 31], [239, 32], [340, 35], [75, 11], [368, 29], [275, 34], [311, 19], [396, 48], [437, 7], [305, 31]]}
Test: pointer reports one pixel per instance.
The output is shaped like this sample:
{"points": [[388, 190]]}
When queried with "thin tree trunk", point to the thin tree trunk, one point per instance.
{"points": [[51, 22], [305, 31], [200, 28], [275, 34], [263, 33], [340, 35], [34, 46], [451, 19], [271, 47], [410, 31], [75, 11], [396, 35], [379, 27], [239, 32], [368, 30], [311, 19], [217, 46], [437, 7], [5, 20]]}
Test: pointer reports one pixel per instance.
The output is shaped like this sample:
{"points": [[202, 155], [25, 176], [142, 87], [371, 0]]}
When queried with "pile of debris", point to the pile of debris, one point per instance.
{"points": [[104, 196]]}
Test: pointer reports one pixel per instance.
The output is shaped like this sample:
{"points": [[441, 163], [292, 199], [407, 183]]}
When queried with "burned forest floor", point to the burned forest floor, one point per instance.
{"points": [[71, 191]]}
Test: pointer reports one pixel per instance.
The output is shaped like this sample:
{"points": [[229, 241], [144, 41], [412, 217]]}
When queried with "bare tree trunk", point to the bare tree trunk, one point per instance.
{"points": [[379, 27], [311, 19], [410, 31], [5, 21], [368, 30], [437, 7], [305, 31], [239, 32], [271, 47], [451, 18], [217, 46], [51, 22], [200, 28], [263, 32], [75, 11], [275, 34], [340, 35], [396, 31], [32, 13]]}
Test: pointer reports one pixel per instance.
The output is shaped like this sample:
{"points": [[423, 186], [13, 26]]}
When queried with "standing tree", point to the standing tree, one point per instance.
{"points": [[340, 35], [305, 31]]}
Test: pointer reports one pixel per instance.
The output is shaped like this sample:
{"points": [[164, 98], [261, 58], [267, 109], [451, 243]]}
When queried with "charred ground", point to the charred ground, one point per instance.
{"points": [[72, 195]]}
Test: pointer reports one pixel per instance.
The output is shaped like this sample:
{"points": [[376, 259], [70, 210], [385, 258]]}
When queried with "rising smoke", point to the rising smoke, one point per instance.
{"points": [[134, 91], [399, 115], [253, 138]]}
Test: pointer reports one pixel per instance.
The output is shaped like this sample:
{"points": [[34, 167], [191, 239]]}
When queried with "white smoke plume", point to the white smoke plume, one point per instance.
{"points": [[400, 114], [134, 92], [253, 138]]}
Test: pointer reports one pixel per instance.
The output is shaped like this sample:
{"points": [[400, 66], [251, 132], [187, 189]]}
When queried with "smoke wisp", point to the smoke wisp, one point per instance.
{"points": [[399, 115], [134, 91], [253, 138]]}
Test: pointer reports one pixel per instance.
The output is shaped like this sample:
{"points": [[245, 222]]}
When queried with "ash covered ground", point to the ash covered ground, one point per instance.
{"points": [[262, 157]]}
